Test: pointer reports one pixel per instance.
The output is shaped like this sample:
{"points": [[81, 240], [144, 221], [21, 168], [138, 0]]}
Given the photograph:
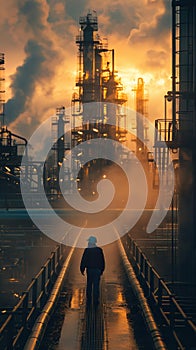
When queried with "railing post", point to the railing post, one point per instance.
{"points": [[49, 269], [43, 281], [137, 255], [142, 263], [151, 280], [49, 275], [133, 249], [146, 279], [10, 333], [43, 285], [25, 308], [172, 312], [137, 259], [146, 270], [34, 293], [53, 264], [160, 292], [129, 242], [58, 254]]}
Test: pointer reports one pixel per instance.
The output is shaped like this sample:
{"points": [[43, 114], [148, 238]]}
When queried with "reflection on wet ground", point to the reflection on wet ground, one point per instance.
{"points": [[118, 328]]}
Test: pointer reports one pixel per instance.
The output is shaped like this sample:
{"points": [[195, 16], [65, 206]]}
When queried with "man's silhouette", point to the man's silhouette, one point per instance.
{"points": [[94, 263]]}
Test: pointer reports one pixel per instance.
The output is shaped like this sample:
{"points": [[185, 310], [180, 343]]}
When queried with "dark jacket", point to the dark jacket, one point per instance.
{"points": [[92, 258]]}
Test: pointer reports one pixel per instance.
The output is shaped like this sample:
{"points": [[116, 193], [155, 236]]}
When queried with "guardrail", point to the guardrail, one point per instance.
{"points": [[16, 328], [34, 341], [180, 325]]}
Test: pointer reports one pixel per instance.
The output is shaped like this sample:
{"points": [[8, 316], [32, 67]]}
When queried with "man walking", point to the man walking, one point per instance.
{"points": [[94, 263]]}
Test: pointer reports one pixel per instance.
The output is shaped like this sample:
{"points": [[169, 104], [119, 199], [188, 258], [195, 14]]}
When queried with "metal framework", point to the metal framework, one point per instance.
{"points": [[184, 111], [55, 169], [97, 81], [12, 148]]}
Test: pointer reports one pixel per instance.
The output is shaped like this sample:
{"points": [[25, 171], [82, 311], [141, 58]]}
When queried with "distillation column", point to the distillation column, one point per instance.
{"points": [[97, 82], [141, 111]]}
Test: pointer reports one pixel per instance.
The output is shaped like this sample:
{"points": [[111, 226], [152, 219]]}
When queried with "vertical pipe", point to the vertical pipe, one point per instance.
{"points": [[165, 117], [173, 67], [2, 90], [112, 62], [194, 121], [172, 242]]}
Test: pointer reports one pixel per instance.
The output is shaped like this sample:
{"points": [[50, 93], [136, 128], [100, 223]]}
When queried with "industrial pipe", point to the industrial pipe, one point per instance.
{"points": [[147, 313]]}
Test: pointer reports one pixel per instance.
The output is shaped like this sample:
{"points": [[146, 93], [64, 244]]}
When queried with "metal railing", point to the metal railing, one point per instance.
{"points": [[180, 324], [15, 330]]}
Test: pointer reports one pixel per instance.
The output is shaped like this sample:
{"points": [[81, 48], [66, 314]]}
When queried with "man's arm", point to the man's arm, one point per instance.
{"points": [[102, 261], [83, 263]]}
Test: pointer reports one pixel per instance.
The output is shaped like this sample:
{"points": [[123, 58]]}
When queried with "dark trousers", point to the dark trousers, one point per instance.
{"points": [[93, 280]]}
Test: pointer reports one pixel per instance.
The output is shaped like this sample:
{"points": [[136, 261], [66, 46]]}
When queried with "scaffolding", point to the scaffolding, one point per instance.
{"points": [[12, 149], [183, 75]]}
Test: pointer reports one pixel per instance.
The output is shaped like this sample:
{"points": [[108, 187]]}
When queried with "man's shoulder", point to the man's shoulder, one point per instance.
{"points": [[92, 249], [100, 249]]}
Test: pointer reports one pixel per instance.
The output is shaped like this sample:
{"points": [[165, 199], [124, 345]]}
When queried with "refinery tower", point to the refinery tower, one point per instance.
{"points": [[97, 81], [98, 105]]}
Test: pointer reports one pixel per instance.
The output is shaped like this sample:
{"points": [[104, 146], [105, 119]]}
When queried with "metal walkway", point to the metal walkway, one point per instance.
{"points": [[52, 313], [111, 326]]}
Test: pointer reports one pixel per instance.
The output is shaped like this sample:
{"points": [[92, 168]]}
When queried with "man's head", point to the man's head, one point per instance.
{"points": [[92, 241]]}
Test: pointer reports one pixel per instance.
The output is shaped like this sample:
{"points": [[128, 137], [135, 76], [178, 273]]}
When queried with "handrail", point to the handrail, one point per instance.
{"points": [[156, 289], [36, 336], [15, 329]]}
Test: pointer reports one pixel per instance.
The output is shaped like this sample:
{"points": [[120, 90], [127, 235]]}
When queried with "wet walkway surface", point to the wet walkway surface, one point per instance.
{"points": [[116, 324]]}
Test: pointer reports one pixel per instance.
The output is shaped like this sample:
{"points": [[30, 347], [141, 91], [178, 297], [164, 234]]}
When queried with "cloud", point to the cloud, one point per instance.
{"points": [[155, 26], [156, 59]]}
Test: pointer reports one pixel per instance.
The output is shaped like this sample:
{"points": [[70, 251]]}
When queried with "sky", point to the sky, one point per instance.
{"points": [[38, 40]]}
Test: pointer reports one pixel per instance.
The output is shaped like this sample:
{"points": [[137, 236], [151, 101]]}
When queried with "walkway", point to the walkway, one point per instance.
{"points": [[113, 326]]}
